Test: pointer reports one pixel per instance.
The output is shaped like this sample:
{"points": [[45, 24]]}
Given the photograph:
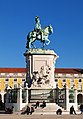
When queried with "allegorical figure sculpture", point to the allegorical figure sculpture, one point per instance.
{"points": [[39, 34], [41, 77]]}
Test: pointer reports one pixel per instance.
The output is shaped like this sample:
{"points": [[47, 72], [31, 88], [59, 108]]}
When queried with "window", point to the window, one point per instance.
{"points": [[6, 79], [80, 80], [56, 80], [15, 86], [15, 79], [71, 98], [24, 93], [14, 96], [64, 80], [71, 95], [23, 79]]}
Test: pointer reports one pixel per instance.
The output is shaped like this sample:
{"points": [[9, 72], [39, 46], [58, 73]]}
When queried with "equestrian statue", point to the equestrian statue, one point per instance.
{"points": [[39, 34]]}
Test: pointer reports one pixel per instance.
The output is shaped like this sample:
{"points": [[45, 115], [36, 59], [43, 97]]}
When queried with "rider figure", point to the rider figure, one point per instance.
{"points": [[38, 26]]}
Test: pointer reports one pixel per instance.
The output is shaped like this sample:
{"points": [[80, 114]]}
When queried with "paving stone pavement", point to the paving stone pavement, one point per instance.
{"points": [[18, 116]]}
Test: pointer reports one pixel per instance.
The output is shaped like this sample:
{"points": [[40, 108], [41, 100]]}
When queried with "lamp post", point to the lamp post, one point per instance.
{"points": [[57, 93]]}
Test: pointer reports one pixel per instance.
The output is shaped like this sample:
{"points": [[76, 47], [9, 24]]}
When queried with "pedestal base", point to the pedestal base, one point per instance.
{"points": [[40, 64]]}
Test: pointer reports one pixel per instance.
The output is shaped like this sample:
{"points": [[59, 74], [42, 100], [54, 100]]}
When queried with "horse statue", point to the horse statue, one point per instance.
{"points": [[41, 35]]}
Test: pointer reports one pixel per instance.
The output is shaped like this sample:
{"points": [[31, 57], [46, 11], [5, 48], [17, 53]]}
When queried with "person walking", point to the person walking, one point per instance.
{"points": [[28, 110], [72, 110], [81, 108], [31, 110]]}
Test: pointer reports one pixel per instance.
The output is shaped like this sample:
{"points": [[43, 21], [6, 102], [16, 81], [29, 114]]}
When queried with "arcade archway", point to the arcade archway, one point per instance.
{"points": [[80, 99], [0, 101]]}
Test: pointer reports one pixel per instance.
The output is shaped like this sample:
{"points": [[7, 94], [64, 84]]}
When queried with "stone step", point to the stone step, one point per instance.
{"points": [[50, 108], [53, 112]]}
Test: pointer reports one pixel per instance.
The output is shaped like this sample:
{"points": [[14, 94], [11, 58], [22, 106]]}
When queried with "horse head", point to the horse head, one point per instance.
{"points": [[48, 30]]}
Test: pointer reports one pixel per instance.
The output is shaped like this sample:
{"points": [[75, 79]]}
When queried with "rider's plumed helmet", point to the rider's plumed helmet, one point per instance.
{"points": [[37, 19]]}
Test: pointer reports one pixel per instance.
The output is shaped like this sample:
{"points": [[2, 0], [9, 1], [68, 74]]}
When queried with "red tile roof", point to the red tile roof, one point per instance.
{"points": [[69, 70], [57, 70], [12, 70]]}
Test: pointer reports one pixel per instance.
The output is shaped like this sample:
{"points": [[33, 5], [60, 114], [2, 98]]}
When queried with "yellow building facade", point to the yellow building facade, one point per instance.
{"points": [[12, 77], [73, 79], [15, 77]]}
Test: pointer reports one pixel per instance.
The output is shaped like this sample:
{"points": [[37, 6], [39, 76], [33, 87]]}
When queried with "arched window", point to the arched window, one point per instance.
{"points": [[79, 99]]}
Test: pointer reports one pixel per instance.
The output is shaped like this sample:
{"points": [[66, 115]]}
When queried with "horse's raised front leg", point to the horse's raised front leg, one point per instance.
{"points": [[47, 41]]}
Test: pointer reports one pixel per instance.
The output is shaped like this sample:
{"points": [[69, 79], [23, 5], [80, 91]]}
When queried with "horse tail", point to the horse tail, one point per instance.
{"points": [[27, 44], [28, 40]]}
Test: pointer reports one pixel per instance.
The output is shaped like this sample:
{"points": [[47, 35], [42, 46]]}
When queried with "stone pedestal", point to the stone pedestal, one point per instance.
{"points": [[40, 65]]}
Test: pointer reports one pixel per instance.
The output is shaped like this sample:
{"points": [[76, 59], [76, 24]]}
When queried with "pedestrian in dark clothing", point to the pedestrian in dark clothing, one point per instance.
{"points": [[72, 110], [37, 104], [28, 110], [31, 110], [0, 104], [81, 108], [59, 112], [43, 104]]}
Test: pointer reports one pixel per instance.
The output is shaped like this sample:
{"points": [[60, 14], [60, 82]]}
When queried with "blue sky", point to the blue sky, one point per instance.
{"points": [[17, 19]]}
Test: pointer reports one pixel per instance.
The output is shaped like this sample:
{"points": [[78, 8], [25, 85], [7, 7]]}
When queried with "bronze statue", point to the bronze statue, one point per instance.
{"points": [[39, 34]]}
